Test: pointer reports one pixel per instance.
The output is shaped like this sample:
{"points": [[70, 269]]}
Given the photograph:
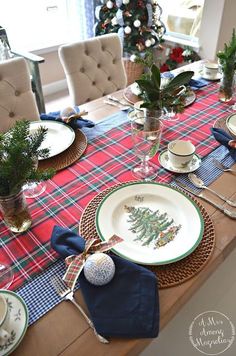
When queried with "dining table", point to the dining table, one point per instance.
{"points": [[107, 161]]}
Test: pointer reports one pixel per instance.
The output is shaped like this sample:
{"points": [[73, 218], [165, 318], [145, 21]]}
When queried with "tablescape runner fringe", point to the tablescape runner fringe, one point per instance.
{"points": [[40, 288]]}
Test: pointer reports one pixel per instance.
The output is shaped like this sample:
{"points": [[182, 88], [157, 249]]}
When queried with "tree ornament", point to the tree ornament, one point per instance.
{"points": [[114, 21], [125, 2], [132, 58], [153, 41], [148, 43], [137, 23], [109, 4], [127, 30], [99, 269]]}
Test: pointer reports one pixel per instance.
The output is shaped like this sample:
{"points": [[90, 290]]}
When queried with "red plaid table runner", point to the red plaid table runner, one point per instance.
{"points": [[108, 160]]}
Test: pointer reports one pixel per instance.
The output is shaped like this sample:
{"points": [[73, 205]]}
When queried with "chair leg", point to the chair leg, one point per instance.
{"points": [[37, 86]]}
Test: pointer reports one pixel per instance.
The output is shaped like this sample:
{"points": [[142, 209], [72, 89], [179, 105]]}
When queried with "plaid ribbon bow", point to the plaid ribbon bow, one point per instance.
{"points": [[76, 263]]}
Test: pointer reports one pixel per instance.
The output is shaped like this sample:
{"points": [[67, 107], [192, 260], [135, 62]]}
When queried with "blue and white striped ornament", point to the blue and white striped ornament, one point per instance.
{"points": [[99, 269]]}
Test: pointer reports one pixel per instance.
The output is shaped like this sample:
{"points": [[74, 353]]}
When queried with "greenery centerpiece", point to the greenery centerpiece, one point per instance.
{"points": [[19, 153], [227, 61], [161, 95]]}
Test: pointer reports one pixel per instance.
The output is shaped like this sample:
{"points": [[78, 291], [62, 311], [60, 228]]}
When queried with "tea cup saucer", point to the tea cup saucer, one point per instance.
{"points": [[218, 76], [191, 167]]}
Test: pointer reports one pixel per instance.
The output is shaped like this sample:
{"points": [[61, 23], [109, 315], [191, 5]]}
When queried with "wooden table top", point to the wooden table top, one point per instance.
{"points": [[63, 331]]}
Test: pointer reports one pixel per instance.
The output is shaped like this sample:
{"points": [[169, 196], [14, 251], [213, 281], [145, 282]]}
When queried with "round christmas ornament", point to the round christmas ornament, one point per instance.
{"points": [[132, 58], [109, 4], [148, 43], [153, 41], [137, 23], [99, 269], [127, 30]]}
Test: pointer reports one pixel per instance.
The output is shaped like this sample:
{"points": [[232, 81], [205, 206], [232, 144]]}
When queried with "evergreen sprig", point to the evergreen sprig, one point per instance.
{"points": [[227, 57], [19, 153], [170, 96]]}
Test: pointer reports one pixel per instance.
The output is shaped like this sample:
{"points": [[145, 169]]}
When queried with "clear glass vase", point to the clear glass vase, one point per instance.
{"points": [[15, 212], [227, 83]]}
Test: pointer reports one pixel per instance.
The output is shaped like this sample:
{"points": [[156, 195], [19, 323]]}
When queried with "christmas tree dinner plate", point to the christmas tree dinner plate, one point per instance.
{"points": [[158, 223]]}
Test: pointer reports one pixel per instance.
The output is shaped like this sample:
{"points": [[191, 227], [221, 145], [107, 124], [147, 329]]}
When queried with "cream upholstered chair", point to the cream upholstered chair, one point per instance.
{"points": [[17, 101], [93, 68]]}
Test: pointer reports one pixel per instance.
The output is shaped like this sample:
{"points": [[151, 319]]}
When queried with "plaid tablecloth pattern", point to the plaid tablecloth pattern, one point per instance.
{"points": [[108, 160]]}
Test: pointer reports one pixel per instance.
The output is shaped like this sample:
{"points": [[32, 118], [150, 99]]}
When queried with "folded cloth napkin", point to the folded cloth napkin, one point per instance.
{"points": [[198, 83], [128, 306], [223, 137], [75, 123]]}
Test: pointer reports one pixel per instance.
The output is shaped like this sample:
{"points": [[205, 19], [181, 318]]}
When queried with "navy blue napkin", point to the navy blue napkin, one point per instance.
{"points": [[198, 83], [75, 124], [128, 306], [223, 137]]}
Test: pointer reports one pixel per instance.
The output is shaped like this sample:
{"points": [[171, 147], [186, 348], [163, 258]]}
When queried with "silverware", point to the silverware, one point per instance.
{"points": [[227, 212], [198, 182], [222, 166], [115, 100], [123, 108], [66, 293]]}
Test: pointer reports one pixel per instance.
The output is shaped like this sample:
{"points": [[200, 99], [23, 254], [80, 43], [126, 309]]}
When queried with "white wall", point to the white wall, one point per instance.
{"points": [[218, 21]]}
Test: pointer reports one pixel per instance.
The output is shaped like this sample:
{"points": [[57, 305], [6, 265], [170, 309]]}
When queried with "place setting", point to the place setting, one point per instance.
{"points": [[65, 139]]}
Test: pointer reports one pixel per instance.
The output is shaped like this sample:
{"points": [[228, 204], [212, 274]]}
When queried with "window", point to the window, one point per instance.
{"points": [[182, 19], [38, 24]]}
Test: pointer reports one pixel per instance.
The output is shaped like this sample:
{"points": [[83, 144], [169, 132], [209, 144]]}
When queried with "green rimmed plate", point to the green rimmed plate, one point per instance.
{"points": [[158, 223], [18, 321]]}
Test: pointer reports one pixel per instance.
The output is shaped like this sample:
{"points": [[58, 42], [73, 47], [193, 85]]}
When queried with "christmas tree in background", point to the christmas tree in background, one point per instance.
{"points": [[136, 21]]}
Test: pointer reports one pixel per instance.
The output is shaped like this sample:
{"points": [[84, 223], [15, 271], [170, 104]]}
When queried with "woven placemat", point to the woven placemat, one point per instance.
{"points": [[221, 124], [67, 157], [171, 274]]}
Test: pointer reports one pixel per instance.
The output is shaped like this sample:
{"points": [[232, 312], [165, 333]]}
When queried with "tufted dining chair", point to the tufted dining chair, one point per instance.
{"points": [[17, 101], [93, 67]]}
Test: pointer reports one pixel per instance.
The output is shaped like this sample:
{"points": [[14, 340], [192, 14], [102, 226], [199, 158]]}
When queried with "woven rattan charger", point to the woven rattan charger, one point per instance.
{"points": [[221, 124], [170, 274], [67, 157]]}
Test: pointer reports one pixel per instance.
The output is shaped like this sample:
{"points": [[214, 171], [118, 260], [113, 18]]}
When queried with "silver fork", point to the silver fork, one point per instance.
{"points": [[66, 293], [222, 166]]}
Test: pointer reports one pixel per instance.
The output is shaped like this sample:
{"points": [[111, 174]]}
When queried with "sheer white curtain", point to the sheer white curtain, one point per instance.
{"points": [[81, 15]]}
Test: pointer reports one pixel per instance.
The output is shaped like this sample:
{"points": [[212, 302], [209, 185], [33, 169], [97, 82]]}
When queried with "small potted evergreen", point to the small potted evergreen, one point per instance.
{"points": [[227, 62], [19, 152]]}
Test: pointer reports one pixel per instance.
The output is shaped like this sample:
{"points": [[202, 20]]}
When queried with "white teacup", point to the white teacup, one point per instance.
{"points": [[180, 153], [210, 70], [4, 320]]}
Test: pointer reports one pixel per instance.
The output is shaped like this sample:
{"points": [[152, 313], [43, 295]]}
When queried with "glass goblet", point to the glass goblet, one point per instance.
{"points": [[34, 189], [6, 275], [146, 135]]}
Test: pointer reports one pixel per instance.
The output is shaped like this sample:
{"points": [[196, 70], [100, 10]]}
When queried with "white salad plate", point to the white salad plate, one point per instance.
{"points": [[231, 123], [191, 167], [158, 223], [58, 138], [18, 321]]}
